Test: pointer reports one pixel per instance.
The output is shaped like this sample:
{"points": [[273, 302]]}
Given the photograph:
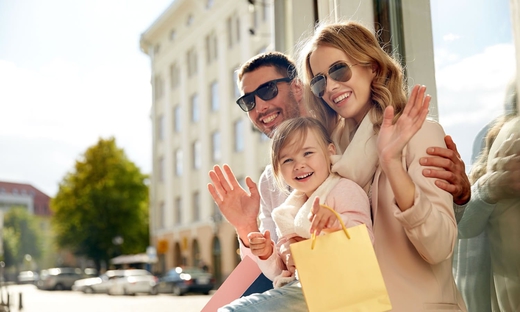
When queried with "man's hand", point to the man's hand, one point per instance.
{"points": [[502, 180], [453, 178], [238, 207]]}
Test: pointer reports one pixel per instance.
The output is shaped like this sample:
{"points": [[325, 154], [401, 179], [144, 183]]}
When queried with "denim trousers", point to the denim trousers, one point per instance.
{"points": [[286, 298]]}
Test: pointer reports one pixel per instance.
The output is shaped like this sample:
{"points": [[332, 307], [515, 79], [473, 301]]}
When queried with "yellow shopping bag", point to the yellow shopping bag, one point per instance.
{"points": [[339, 272]]}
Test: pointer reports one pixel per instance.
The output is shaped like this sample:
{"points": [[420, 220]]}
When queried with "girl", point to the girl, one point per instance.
{"points": [[357, 91], [300, 155]]}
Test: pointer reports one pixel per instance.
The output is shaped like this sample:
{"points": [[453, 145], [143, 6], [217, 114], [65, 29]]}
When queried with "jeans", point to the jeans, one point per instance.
{"points": [[286, 298]]}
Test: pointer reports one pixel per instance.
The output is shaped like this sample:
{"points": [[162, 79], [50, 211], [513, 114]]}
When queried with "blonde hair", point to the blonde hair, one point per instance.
{"points": [[294, 132], [360, 45]]}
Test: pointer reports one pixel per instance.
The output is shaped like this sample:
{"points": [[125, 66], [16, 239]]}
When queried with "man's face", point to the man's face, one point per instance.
{"points": [[267, 115]]}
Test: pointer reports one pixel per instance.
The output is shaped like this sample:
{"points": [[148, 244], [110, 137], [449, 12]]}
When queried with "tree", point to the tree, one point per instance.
{"points": [[21, 236], [104, 197]]}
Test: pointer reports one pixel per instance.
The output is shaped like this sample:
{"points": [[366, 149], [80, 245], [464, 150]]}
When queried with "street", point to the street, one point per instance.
{"points": [[35, 300]]}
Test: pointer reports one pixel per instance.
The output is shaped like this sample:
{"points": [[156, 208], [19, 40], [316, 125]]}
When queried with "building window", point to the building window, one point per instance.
{"points": [[172, 34], [209, 4], [160, 128], [189, 20], [178, 210], [191, 57], [211, 47], [216, 147], [235, 92], [160, 170], [174, 76], [195, 112], [229, 26], [197, 157], [213, 91], [177, 120], [178, 162], [196, 206], [158, 87], [237, 28], [162, 214], [239, 135]]}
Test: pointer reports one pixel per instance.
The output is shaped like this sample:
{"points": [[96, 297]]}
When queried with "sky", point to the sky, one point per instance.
{"points": [[72, 72]]}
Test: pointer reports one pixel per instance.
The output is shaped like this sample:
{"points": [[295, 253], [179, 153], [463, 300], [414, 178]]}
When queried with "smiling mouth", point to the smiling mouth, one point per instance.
{"points": [[341, 97], [304, 176], [269, 118]]}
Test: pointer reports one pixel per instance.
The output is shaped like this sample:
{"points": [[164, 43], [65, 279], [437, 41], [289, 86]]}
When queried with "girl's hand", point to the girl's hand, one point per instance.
{"points": [[260, 244], [322, 218], [393, 138]]}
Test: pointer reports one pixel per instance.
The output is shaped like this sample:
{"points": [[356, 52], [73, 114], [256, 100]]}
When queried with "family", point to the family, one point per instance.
{"points": [[346, 133]]}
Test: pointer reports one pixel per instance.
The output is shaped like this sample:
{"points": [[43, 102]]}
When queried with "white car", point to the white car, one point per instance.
{"points": [[132, 282], [97, 284]]}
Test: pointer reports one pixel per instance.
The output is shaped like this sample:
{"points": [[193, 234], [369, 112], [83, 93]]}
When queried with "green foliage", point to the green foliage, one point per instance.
{"points": [[106, 196], [21, 236]]}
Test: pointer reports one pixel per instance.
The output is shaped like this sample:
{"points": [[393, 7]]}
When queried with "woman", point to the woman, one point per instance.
{"points": [[358, 92]]}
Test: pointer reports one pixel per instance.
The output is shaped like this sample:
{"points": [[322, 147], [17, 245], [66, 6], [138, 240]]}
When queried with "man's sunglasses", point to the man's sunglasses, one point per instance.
{"points": [[266, 91], [339, 71]]}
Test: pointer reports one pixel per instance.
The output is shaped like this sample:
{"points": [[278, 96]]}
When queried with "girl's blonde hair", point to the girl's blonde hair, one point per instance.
{"points": [[294, 132], [360, 45]]}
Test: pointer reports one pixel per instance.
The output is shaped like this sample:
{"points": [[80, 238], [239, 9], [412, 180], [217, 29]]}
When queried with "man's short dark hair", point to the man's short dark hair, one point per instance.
{"points": [[283, 65]]}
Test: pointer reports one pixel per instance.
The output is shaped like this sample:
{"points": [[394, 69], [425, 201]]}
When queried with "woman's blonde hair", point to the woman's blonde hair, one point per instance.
{"points": [[360, 45], [294, 132]]}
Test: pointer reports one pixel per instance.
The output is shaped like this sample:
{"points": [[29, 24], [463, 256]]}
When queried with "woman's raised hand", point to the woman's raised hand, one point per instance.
{"points": [[394, 137]]}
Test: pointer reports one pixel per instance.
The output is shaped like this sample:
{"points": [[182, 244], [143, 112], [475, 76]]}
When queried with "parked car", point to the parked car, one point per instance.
{"points": [[97, 284], [27, 277], [179, 281], [59, 278], [132, 282]]}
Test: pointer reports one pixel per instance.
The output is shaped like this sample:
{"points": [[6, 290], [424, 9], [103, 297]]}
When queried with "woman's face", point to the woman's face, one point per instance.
{"points": [[350, 99]]}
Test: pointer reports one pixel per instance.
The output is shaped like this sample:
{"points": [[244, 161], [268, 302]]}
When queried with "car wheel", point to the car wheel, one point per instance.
{"points": [[88, 290], [154, 291], [59, 286], [176, 290]]}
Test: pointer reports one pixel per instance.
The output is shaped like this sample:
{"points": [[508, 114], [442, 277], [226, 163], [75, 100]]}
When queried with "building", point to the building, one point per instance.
{"points": [[195, 48]]}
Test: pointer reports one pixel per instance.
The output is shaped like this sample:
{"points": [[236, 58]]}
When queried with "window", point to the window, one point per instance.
{"points": [[214, 96], [235, 92], [174, 76], [173, 34], [237, 28], [239, 135], [229, 27], [162, 213], [177, 125], [209, 4], [195, 112], [211, 47], [196, 206], [160, 170], [189, 20], [215, 140], [178, 162], [191, 57], [178, 210], [160, 128], [196, 155], [158, 87]]}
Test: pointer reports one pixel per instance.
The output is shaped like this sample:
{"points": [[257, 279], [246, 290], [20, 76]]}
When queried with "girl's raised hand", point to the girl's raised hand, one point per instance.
{"points": [[393, 138], [322, 218]]}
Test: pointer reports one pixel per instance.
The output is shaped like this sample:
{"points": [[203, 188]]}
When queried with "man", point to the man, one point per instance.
{"points": [[272, 93]]}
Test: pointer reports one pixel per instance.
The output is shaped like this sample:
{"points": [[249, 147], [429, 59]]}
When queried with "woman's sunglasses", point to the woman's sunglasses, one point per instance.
{"points": [[266, 91], [339, 71]]}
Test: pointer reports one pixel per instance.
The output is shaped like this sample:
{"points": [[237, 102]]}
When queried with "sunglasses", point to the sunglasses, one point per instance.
{"points": [[266, 91], [339, 71]]}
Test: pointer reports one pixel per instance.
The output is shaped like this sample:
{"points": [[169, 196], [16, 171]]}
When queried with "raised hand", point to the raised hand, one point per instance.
{"points": [[238, 207], [260, 244], [322, 219], [453, 179], [393, 138]]}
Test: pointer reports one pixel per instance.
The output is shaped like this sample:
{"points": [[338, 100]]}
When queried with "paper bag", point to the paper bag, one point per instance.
{"points": [[339, 272]]}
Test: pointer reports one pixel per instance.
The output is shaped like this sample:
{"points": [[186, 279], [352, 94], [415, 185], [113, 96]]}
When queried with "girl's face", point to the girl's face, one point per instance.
{"points": [[305, 168], [350, 99]]}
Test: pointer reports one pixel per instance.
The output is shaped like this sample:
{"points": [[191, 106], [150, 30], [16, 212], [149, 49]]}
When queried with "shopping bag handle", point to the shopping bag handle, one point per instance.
{"points": [[313, 236]]}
